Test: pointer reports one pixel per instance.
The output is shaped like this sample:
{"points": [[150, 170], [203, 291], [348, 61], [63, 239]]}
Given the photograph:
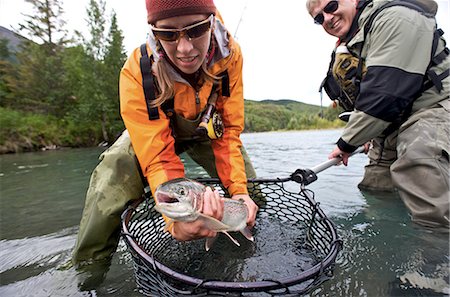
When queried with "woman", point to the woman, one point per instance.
{"points": [[191, 53], [197, 69]]}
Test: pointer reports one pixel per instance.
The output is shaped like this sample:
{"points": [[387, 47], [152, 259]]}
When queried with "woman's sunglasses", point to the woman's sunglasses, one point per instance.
{"points": [[192, 31], [331, 7]]}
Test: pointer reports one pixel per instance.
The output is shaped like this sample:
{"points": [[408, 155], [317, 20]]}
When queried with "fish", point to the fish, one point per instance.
{"points": [[181, 199]]}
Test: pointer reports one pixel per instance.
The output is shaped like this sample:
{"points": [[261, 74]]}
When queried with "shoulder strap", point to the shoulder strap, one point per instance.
{"points": [[148, 82], [225, 84]]}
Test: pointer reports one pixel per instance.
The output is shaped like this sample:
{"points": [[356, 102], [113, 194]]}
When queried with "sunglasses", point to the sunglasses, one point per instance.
{"points": [[331, 7], [191, 31]]}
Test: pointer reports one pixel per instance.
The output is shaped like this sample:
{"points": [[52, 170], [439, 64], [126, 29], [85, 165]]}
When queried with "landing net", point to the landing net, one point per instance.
{"points": [[294, 251]]}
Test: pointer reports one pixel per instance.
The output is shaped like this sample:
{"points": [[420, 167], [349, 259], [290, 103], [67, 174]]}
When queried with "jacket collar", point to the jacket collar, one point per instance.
{"points": [[354, 28]]}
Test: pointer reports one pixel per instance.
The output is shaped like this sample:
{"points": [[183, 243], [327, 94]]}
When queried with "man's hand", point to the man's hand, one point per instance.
{"points": [[338, 153], [251, 206], [367, 147]]}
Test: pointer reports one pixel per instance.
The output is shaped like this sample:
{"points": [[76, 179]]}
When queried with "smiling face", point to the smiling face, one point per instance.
{"points": [[338, 22], [186, 53]]}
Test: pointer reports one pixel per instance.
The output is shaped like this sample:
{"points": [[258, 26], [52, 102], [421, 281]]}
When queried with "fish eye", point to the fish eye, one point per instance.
{"points": [[182, 192]]}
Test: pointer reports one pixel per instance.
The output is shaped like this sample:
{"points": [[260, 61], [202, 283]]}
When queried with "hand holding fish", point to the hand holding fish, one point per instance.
{"points": [[195, 211], [212, 206], [251, 206]]}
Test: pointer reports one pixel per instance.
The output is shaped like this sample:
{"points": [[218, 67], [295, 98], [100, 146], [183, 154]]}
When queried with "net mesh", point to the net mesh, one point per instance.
{"points": [[166, 267]]}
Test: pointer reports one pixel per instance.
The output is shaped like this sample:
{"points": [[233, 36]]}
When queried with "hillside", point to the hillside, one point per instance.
{"points": [[14, 40], [294, 105], [273, 115]]}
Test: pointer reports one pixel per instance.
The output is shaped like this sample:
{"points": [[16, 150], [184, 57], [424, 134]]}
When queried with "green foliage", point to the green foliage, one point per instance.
{"points": [[7, 74], [39, 85], [5, 54], [272, 115], [23, 131], [72, 90], [97, 72]]}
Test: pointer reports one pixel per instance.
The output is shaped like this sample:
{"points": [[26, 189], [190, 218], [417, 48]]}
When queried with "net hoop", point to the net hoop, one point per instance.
{"points": [[323, 269]]}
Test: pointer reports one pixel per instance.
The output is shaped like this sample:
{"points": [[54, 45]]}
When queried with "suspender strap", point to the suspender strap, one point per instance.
{"points": [[148, 83], [168, 108], [435, 80], [225, 84], [437, 59], [441, 56], [432, 78]]}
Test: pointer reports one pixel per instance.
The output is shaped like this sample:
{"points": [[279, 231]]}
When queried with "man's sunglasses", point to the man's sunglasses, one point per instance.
{"points": [[331, 7], [192, 31]]}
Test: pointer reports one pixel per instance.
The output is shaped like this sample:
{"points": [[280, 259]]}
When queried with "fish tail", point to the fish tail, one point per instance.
{"points": [[231, 238], [247, 233]]}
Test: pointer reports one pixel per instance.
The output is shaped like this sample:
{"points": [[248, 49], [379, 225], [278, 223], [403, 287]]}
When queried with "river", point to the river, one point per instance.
{"points": [[384, 254]]}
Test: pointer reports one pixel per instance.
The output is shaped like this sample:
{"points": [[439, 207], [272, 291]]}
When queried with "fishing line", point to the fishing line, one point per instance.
{"points": [[240, 20]]}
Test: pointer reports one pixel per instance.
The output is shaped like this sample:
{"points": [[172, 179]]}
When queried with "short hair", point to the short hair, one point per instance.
{"points": [[310, 4]]}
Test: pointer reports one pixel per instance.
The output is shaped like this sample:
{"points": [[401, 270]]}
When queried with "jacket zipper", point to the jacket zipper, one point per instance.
{"points": [[197, 102]]}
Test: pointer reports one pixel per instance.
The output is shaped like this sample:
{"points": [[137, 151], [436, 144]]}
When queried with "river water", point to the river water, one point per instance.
{"points": [[384, 254]]}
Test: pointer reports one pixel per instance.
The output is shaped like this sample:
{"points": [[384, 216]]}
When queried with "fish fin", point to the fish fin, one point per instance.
{"points": [[247, 233], [209, 242], [231, 237], [168, 225], [213, 223]]}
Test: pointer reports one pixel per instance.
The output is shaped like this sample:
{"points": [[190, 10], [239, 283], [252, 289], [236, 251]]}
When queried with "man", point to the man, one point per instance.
{"points": [[401, 102]]}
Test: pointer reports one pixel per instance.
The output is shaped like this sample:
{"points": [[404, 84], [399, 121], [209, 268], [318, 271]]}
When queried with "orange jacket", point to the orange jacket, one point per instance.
{"points": [[152, 140]]}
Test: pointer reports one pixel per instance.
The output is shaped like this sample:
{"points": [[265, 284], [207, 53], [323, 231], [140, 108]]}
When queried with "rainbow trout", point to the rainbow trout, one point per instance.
{"points": [[181, 199]]}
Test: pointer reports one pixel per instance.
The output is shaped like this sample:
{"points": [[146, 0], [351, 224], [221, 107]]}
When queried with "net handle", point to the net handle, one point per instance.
{"points": [[307, 176], [327, 164]]}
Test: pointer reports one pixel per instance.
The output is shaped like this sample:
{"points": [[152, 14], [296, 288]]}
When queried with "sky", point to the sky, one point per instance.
{"points": [[286, 55]]}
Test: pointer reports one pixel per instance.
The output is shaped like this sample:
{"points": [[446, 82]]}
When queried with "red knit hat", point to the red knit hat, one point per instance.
{"points": [[162, 9]]}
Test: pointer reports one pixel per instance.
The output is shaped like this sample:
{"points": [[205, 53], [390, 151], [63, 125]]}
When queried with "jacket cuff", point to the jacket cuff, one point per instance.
{"points": [[345, 147], [235, 189]]}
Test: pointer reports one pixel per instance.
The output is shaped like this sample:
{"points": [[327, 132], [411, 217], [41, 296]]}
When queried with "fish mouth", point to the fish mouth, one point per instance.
{"points": [[166, 198]]}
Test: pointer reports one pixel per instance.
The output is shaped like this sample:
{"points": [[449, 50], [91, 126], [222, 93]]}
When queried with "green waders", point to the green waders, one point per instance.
{"points": [[116, 181], [415, 161], [421, 172], [377, 174]]}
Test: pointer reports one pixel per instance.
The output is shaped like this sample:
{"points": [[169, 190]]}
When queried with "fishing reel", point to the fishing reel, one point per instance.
{"points": [[211, 124]]}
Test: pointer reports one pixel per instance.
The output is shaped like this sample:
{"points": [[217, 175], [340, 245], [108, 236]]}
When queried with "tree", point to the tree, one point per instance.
{"points": [[114, 59], [41, 71], [98, 102], [7, 75]]}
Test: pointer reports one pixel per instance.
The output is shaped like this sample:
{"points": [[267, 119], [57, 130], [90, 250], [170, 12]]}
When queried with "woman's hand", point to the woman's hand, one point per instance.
{"points": [[212, 206], [251, 206]]}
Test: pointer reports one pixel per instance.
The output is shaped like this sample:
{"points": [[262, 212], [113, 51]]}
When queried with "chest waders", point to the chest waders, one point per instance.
{"points": [[117, 180], [342, 84]]}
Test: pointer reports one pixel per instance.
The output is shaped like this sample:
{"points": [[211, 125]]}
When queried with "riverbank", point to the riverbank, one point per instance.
{"points": [[26, 145], [30, 132]]}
